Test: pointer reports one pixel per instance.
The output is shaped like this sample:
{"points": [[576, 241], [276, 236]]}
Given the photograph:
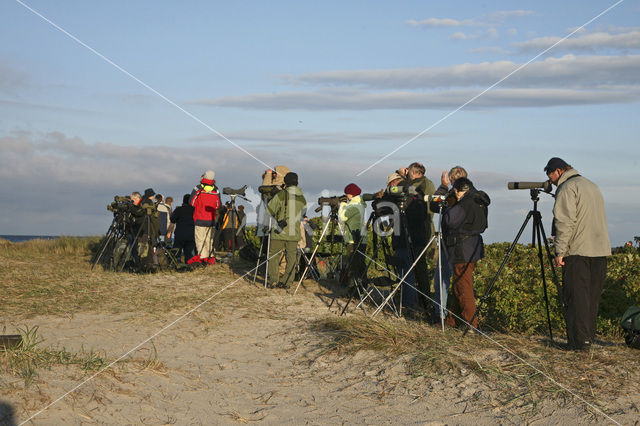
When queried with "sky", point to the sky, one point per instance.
{"points": [[104, 98]]}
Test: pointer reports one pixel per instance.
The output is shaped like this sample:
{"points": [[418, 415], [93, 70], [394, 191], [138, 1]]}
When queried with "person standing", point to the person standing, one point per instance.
{"points": [[582, 246], [205, 200], [182, 221], [352, 220], [446, 179], [463, 223], [286, 209], [420, 224], [164, 213]]}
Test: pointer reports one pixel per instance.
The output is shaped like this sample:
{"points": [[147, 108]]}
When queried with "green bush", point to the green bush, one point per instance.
{"points": [[516, 302]]}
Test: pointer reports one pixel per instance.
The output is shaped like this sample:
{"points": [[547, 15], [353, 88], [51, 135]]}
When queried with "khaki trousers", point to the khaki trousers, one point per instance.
{"points": [[203, 236]]}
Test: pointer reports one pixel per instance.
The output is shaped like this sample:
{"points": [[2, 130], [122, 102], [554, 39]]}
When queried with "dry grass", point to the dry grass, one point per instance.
{"points": [[539, 372], [55, 277]]}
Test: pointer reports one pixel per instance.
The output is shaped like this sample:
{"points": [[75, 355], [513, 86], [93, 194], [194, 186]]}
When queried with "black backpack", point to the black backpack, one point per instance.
{"points": [[630, 324]]}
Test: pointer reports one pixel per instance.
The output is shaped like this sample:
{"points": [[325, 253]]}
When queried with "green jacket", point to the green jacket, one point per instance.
{"points": [[287, 205], [351, 214], [579, 218]]}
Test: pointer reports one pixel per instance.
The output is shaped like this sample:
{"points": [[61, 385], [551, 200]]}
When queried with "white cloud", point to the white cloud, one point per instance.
{"points": [[54, 184], [629, 40], [505, 15], [459, 36], [353, 100], [489, 49], [439, 23], [289, 137], [485, 20], [492, 33], [569, 70]]}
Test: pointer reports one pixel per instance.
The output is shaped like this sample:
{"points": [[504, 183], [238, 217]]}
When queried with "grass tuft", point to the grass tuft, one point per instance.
{"points": [[432, 354]]}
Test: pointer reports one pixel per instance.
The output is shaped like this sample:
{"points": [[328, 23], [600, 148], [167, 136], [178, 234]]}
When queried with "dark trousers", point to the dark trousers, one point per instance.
{"points": [[464, 300], [582, 283], [356, 263], [187, 248]]}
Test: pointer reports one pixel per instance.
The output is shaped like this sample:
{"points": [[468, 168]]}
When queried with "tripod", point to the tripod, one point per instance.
{"points": [[414, 259], [266, 238], [233, 220], [117, 232], [539, 234], [333, 221]]}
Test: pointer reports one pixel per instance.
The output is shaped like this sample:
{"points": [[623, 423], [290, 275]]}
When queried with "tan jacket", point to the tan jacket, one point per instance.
{"points": [[580, 218]]}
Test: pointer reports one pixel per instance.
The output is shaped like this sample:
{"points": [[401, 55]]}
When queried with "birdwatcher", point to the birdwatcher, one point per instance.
{"points": [[286, 209], [205, 201], [464, 222], [146, 215], [582, 245], [351, 217], [420, 224], [446, 266]]}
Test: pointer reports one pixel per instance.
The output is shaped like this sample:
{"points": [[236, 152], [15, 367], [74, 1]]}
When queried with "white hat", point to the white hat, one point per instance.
{"points": [[209, 175]]}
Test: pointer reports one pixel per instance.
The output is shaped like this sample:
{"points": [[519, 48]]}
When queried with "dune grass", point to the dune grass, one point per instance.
{"points": [[54, 277], [539, 372]]}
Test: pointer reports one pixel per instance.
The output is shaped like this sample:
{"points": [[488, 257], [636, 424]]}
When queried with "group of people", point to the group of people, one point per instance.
{"points": [[580, 234], [193, 228]]}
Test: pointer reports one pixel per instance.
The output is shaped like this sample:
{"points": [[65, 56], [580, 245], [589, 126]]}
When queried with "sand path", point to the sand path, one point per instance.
{"points": [[258, 361]]}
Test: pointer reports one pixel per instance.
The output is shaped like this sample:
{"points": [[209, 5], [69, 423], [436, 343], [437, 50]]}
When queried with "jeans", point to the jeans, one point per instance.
{"points": [[447, 267], [409, 293]]}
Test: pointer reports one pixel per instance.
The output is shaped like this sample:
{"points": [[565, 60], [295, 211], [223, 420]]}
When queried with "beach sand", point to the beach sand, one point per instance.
{"points": [[252, 355]]}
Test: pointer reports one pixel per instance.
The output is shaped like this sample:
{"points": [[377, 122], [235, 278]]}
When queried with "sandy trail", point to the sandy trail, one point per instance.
{"points": [[258, 361]]}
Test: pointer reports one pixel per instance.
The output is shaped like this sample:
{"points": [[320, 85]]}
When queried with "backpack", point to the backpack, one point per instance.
{"points": [[630, 324]]}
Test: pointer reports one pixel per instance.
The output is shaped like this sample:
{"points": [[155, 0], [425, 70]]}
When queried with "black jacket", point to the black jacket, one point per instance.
{"points": [[462, 225], [183, 218]]}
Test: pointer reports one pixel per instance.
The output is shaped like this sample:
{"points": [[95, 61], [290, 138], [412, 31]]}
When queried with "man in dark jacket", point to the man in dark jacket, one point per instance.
{"points": [[446, 267], [419, 223], [182, 220], [205, 201], [463, 223]]}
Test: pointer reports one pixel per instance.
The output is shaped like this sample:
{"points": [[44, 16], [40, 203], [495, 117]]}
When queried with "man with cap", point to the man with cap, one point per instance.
{"points": [[420, 224], [286, 209], [581, 244], [205, 201], [445, 267], [401, 243], [351, 216]]}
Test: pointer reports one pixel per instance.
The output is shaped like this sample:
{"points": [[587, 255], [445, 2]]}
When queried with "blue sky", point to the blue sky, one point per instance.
{"points": [[327, 88]]}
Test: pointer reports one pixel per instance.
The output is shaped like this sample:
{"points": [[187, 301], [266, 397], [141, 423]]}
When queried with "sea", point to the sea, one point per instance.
{"points": [[22, 238]]}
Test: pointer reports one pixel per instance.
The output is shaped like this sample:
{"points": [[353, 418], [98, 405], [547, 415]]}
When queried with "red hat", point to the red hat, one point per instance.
{"points": [[352, 189]]}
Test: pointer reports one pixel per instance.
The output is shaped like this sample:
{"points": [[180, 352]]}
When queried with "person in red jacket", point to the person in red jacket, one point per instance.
{"points": [[205, 201]]}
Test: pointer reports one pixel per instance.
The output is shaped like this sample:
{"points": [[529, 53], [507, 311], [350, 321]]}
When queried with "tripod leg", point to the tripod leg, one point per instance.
{"points": [[495, 277], [537, 223], [313, 255], [255, 272]]}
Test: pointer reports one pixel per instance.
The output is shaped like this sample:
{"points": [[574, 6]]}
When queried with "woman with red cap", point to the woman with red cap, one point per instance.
{"points": [[351, 216]]}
